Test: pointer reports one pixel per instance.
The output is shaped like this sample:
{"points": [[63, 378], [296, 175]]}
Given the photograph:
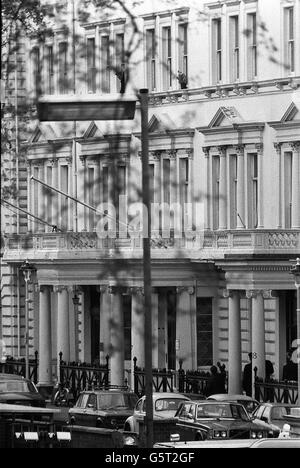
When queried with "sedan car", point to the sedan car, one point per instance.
{"points": [[274, 414], [165, 406], [250, 404], [103, 408], [236, 443], [213, 420], [16, 390]]}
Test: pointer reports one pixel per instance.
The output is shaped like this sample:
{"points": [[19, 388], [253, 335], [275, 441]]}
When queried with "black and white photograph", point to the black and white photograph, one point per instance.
{"points": [[150, 227]]}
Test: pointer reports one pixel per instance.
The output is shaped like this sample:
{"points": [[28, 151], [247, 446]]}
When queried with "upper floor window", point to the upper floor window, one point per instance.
{"points": [[62, 67], [217, 50], [183, 53], [167, 57], [234, 48], [252, 45], [49, 69], [151, 59], [105, 64], [91, 64], [253, 191], [36, 70], [289, 39]]}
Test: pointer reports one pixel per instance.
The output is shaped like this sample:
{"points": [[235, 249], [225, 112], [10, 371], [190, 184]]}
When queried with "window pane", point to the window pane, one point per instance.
{"points": [[204, 332]]}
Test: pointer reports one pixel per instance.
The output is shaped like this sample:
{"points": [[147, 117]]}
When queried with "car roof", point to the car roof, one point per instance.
{"points": [[230, 397], [11, 377]]}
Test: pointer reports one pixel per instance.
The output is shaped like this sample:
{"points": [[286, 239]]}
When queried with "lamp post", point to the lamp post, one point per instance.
{"points": [[28, 269], [119, 107], [295, 270]]}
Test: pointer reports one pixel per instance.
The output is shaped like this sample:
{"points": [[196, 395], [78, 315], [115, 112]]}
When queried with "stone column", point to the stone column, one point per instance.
{"points": [[234, 342], [117, 338], [137, 326], [45, 343], [258, 332], [154, 304], [260, 204], [279, 184], [41, 197], [63, 331], [222, 189], [184, 327], [296, 186], [162, 330], [81, 211], [105, 309], [208, 195], [240, 220]]}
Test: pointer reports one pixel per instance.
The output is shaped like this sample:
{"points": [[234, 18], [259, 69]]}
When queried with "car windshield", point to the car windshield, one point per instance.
{"points": [[280, 412], [219, 411], [116, 400], [168, 404], [17, 386], [250, 406]]}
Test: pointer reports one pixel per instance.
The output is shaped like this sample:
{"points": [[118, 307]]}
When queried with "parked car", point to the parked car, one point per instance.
{"points": [[274, 414], [244, 443], [165, 406], [219, 420], [16, 390], [250, 404], [103, 408]]}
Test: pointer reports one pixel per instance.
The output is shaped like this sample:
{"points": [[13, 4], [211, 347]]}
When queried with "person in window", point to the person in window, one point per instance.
{"points": [[181, 77]]}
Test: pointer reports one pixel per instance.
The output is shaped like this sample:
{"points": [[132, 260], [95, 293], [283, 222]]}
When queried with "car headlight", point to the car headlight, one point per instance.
{"points": [[223, 434], [260, 435], [129, 441], [217, 434], [253, 435], [220, 434]]}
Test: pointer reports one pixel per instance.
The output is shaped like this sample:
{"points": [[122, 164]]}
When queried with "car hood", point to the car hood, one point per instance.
{"points": [[225, 424], [20, 397]]}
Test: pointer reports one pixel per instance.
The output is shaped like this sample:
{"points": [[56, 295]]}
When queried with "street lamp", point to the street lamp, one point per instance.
{"points": [[28, 269], [295, 270]]}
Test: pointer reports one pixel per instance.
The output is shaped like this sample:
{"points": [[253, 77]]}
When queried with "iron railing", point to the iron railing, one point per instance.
{"points": [[18, 367], [276, 392]]}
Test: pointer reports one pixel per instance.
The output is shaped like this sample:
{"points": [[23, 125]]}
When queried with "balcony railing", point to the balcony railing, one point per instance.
{"points": [[205, 244]]}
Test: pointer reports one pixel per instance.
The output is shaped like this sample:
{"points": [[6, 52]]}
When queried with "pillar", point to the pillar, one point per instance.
{"points": [[208, 195], [63, 332], [234, 343], [105, 308], [279, 184], [222, 190], [137, 326], [45, 343], [184, 327], [240, 221], [154, 305], [162, 331], [117, 338], [296, 186], [258, 332], [81, 176]]}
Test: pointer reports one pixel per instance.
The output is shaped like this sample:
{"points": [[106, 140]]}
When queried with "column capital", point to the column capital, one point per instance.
{"points": [[53, 162], [296, 146], [115, 290], [155, 155], [222, 151], [190, 153], [259, 148], [253, 293], [231, 293], [189, 289], [60, 288], [82, 159], [136, 291], [239, 150], [277, 147], [269, 294], [172, 154], [206, 151]]}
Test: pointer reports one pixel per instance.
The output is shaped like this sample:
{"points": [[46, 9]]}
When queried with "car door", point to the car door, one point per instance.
{"points": [[186, 421], [139, 413], [89, 417], [77, 413]]}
